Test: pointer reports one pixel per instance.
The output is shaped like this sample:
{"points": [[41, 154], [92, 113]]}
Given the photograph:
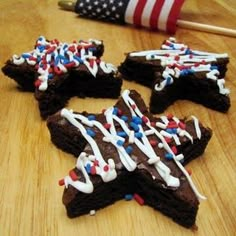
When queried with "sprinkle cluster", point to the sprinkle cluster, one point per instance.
{"points": [[126, 134], [179, 60], [54, 58]]}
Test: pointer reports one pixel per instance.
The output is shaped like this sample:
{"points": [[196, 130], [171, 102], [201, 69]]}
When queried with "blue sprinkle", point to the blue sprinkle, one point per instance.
{"points": [[57, 60], [138, 135], [40, 38], [190, 71], [174, 131], [38, 59], [122, 134], [124, 118], [129, 149], [65, 61], [41, 48], [168, 156], [137, 120], [153, 56], [168, 80], [88, 168], [65, 46], [183, 72], [25, 55], [128, 197], [50, 76], [171, 131], [214, 67], [134, 126], [90, 132], [115, 111], [91, 117], [120, 143], [92, 49], [188, 52], [77, 58]]}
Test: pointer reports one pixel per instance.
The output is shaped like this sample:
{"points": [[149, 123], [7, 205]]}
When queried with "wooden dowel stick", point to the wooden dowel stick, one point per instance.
{"points": [[206, 28]]}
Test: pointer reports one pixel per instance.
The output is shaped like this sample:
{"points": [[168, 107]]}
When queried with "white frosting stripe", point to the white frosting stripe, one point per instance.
{"points": [[96, 164]]}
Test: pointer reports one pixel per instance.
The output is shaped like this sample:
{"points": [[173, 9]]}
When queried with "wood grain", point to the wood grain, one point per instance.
{"points": [[30, 199]]}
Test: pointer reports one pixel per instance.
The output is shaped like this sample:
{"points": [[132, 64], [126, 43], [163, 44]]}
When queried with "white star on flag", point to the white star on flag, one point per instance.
{"points": [[155, 14]]}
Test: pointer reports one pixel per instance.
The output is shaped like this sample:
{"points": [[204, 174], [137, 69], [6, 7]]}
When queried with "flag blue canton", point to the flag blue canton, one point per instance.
{"points": [[106, 10]]}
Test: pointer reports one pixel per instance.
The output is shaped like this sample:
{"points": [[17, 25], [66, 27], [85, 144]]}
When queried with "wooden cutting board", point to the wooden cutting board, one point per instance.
{"points": [[30, 166]]}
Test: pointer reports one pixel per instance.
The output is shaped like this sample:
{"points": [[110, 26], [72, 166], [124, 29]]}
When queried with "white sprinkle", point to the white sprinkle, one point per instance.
{"points": [[92, 212]]}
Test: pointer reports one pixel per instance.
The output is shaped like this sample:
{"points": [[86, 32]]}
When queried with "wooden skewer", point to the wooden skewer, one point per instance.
{"points": [[206, 28], [70, 5]]}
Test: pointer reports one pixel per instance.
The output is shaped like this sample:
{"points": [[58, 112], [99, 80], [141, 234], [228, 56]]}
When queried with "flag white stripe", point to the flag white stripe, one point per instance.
{"points": [[164, 14], [129, 13], [147, 11]]}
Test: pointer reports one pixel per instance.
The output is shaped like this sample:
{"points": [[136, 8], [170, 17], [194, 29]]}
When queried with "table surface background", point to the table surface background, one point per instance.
{"points": [[30, 166]]}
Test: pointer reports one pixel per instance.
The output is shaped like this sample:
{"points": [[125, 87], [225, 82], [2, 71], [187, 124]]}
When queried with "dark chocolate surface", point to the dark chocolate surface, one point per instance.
{"points": [[180, 203]]}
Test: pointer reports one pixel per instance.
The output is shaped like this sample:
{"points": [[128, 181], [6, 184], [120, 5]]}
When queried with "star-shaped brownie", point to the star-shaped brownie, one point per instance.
{"points": [[57, 71], [178, 72], [126, 151]]}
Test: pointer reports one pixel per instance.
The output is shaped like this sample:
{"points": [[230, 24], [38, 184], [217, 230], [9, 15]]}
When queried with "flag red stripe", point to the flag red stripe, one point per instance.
{"points": [[155, 14], [173, 16], [138, 12]]}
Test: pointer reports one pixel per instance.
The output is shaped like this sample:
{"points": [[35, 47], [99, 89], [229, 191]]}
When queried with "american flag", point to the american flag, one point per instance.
{"points": [[155, 14]]}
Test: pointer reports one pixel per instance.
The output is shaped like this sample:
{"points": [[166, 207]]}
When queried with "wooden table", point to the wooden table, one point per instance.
{"points": [[30, 167]]}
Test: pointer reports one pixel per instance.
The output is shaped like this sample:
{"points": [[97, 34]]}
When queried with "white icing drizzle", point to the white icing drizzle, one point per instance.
{"points": [[54, 57], [107, 170], [177, 58], [86, 187], [197, 128], [129, 102]]}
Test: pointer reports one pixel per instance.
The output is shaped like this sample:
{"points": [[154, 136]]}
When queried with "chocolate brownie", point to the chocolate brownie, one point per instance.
{"points": [[126, 151], [178, 72], [57, 71]]}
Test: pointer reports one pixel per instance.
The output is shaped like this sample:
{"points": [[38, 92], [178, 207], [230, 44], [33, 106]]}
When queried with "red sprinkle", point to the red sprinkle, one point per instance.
{"points": [[189, 171], [144, 119], [91, 62], [172, 125], [133, 106], [98, 61], [96, 162], [61, 182], [182, 125], [138, 199], [153, 142], [153, 124], [70, 64], [57, 70], [170, 116], [37, 83], [93, 170], [73, 175], [119, 112], [107, 126], [168, 140], [177, 58], [106, 168], [71, 48], [174, 149], [32, 58]]}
